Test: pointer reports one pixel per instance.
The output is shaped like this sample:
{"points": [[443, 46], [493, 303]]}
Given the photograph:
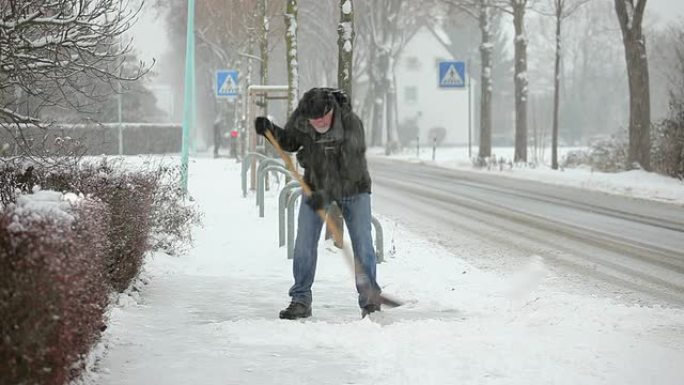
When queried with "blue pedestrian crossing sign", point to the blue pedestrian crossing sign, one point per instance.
{"points": [[452, 74], [226, 83]]}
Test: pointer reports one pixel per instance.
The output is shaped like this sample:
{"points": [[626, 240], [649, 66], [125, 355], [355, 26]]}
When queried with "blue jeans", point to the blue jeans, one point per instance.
{"points": [[356, 211]]}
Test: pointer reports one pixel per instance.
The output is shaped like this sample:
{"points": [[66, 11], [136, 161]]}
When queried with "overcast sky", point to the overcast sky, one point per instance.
{"points": [[668, 10], [149, 35]]}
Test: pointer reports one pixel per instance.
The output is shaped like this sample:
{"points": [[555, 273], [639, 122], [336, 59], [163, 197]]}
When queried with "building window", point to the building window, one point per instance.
{"points": [[411, 94], [412, 63]]}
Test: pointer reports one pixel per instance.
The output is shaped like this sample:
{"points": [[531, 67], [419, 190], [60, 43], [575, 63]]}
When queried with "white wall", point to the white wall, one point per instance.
{"points": [[418, 68]]}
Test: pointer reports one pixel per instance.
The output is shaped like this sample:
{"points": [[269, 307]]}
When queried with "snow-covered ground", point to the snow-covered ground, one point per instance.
{"points": [[210, 317], [635, 183]]}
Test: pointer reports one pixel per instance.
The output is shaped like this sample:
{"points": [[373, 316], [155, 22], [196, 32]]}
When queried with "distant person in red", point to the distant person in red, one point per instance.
{"points": [[329, 140], [233, 143]]}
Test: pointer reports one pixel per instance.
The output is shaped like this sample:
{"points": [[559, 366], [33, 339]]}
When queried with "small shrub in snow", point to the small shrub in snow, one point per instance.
{"points": [[492, 163], [129, 199], [609, 155], [606, 155], [172, 216], [667, 152], [52, 288], [575, 158]]}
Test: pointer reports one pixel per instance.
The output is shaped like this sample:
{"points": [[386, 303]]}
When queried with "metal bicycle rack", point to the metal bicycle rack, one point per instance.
{"points": [[282, 206], [246, 162], [261, 181], [290, 221]]}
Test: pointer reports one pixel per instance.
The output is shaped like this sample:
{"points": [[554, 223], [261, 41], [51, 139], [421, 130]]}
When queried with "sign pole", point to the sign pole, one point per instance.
{"points": [[455, 75], [188, 98]]}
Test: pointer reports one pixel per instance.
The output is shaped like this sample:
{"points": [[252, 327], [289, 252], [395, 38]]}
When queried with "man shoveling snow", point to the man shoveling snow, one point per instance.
{"points": [[329, 140]]}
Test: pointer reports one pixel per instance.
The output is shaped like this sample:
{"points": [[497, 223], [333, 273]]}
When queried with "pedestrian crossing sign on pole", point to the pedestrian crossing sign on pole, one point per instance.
{"points": [[452, 74], [226, 83]]}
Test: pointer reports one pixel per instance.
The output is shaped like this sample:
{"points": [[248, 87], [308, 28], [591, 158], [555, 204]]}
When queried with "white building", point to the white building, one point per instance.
{"points": [[419, 96]]}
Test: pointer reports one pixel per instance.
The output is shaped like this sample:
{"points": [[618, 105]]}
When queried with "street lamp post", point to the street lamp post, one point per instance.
{"points": [[189, 93]]}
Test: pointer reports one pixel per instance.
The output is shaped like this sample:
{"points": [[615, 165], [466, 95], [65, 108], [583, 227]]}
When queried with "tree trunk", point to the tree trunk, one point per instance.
{"points": [[291, 48], [391, 118], [378, 96], [556, 87], [520, 81], [345, 42], [292, 53], [630, 18], [382, 92], [263, 44], [247, 131], [485, 147]]}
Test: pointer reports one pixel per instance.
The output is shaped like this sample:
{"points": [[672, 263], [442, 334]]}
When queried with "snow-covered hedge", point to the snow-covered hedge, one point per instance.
{"points": [[53, 291], [68, 237]]}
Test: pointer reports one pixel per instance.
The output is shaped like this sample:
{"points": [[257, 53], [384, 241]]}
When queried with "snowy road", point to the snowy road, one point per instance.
{"points": [[636, 246]]}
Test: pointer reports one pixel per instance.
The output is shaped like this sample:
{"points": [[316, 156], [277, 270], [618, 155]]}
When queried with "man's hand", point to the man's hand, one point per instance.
{"points": [[317, 201], [262, 124]]}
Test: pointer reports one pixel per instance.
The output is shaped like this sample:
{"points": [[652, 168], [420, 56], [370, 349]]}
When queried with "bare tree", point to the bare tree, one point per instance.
{"points": [[486, 46], [387, 26], [630, 16], [560, 10], [229, 34], [517, 9], [58, 53], [218, 41], [481, 10], [593, 81]]}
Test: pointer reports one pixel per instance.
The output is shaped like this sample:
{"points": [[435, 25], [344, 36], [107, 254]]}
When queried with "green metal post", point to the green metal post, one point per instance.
{"points": [[118, 102], [188, 98], [193, 97]]}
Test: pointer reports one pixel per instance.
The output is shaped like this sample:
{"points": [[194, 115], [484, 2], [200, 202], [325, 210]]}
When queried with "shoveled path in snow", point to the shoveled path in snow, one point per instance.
{"points": [[210, 317]]}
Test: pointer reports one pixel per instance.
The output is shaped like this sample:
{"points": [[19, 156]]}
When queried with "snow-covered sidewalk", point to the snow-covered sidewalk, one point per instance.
{"points": [[210, 317]]}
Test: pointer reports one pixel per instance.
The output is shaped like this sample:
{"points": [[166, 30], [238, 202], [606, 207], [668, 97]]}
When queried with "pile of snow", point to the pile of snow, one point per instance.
{"points": [[41, 205]]}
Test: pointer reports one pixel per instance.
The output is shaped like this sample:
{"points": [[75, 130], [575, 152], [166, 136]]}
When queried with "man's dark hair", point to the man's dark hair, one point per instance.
{"points": [[316, 102]]}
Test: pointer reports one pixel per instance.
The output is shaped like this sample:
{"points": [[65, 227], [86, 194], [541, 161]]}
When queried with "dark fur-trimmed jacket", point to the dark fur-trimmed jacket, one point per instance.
{"points": [[334, 162]]}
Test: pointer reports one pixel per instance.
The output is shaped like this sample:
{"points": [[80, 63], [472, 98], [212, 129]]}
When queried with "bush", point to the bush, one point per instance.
{"points": [[146, 207], [437, 134], [605, 154], [667, 151], [575, 158], [609, 155], [52, 287], [128, 197], [56, 269], [172, 218]]}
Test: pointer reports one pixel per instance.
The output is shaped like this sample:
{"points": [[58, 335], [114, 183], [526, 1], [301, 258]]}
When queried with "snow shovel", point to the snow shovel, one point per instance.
{"points": [[337, 234]]}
